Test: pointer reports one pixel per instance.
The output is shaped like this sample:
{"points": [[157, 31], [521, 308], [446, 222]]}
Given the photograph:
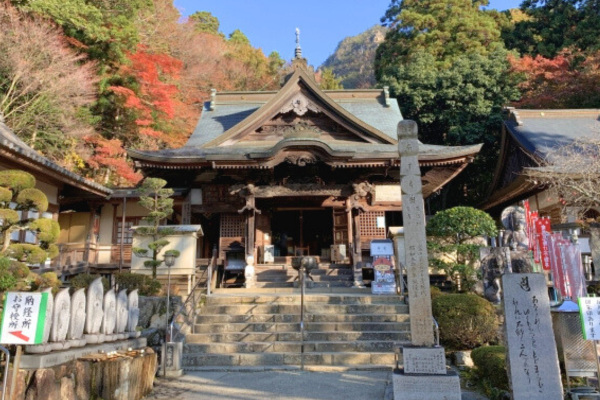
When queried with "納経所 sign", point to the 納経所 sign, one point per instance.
{"points": [[23, 318]]}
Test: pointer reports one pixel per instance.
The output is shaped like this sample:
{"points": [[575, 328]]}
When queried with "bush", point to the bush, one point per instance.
{"points": [[490, 362], [82, 281], [435, 292], [466, 320], [145, 284]]}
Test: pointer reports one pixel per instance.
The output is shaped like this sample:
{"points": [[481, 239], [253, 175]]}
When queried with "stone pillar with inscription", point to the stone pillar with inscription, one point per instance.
{"points": [[424, 375]]}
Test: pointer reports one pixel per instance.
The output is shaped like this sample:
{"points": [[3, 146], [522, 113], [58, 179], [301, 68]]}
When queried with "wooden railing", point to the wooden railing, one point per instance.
{"points": [[71, 254]]}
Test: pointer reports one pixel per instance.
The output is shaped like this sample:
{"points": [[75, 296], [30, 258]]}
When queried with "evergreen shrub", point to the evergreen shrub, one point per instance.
{"points": [[146, 285], [490, 362], [466, 320]]}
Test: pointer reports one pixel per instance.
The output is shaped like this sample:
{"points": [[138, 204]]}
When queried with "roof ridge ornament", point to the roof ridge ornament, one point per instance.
{"points": [[298, 52]]}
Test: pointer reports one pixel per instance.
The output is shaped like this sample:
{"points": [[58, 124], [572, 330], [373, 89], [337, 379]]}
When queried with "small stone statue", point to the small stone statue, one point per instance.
{"points": [[513, 256]]}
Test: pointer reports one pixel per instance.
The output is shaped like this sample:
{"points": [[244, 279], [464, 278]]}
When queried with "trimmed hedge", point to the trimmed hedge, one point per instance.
{"points": [[466, 320], [491, 364], [144, 283]]}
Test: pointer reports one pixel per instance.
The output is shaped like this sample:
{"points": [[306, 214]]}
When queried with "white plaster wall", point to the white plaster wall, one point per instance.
{"points": [[185, 264], [50, 191]]}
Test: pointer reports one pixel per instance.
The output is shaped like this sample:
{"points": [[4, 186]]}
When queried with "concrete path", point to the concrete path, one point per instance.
{"points": [[279, 385]]}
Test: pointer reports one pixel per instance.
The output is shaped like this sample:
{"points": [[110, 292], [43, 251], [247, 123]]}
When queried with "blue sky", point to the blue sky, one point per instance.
{"points": [[270, 24]]}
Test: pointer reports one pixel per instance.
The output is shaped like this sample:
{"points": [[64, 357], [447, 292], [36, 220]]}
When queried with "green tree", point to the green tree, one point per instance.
{"points": [[157, 200], [454, 235], [446, 64], [18, 196], [553, 25], [329, 81], [444, 29], [204, 21], [239, 38]]}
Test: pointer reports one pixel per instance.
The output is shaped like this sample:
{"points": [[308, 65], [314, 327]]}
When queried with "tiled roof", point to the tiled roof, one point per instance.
{"points": [[539, 131], [12, 143]]}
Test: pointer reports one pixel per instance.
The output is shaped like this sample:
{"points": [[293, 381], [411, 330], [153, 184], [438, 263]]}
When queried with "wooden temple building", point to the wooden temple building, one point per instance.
{"points": [[301, 169]]}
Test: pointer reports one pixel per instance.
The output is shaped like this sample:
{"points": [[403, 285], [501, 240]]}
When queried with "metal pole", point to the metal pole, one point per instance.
{"points": [[302, 282], [122, 234], [16, 363], [167, 335], [597, 362], [5, 378]]}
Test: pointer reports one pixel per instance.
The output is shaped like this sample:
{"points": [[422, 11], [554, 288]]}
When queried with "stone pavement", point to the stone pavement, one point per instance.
{"points": [[280, 385]]}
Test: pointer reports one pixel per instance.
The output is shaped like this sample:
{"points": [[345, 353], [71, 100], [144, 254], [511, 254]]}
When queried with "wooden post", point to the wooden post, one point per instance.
{"points": [[16, 363], [350, 250]]}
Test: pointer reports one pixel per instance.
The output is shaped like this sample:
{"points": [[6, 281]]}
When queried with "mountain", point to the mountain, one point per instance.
{"points": [[353, 58]]}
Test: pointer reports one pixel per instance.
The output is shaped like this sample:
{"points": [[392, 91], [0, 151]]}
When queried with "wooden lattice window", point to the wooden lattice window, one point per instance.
{"points": [[232, 225], [368, 224]]}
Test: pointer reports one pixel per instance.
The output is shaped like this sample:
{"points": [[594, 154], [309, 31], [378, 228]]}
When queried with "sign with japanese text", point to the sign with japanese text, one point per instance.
{"points": [[589, 310], [542, 227], [384, 281], [23, 318]]}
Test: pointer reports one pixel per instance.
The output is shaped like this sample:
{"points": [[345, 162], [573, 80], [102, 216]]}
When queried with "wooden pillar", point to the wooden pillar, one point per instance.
{"points": [[90, 253], [250, 233], [350, 250]]}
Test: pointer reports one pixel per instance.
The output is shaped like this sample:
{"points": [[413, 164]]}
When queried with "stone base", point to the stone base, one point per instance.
{"points": [[426, 387], [47, 360], [174, 374]]}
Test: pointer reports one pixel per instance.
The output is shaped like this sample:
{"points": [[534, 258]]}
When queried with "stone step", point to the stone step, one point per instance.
{"points": [[202, 361], [309, 327], [315, 278], [288, 290], [295, 336], [293, 273], [363, 346], [337, 299], [294, 284], [206, 319], [310, 308]]}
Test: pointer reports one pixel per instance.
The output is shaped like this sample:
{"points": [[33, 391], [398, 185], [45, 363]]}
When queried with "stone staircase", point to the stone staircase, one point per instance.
{"points": [[325, 276], [348, 328]]}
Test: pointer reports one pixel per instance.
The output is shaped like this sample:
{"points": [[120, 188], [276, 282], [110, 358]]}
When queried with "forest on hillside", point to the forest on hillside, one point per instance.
{"points": [[83, 80]]}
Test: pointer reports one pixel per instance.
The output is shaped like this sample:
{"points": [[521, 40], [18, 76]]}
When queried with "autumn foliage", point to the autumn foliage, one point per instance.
{"points": [[569, 80], [109, 76]]}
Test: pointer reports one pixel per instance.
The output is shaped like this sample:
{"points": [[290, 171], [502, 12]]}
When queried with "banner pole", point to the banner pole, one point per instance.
{"points": [[16, 363]]}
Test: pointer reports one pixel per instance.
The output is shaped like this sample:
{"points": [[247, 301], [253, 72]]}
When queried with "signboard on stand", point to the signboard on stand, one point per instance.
{"points": [[589, 310], [23, 318], [384, 281]]}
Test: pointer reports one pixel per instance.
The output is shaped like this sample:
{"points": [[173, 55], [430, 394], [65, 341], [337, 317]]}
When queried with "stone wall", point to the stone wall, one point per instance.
{"points": [[152, 317], [121, 378]]}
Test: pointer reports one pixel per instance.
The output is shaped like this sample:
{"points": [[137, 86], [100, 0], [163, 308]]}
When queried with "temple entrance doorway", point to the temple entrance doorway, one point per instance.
{"points": [[302, 232]]}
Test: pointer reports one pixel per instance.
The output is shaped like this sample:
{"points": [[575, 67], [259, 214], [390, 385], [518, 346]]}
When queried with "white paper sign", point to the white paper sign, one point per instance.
{"points": [[589, 310], [23, 318]]}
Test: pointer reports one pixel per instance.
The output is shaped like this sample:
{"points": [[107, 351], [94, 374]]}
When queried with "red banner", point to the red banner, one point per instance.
{"points": [[527, 220], [542, 228], [554, 242], [533, 242]]}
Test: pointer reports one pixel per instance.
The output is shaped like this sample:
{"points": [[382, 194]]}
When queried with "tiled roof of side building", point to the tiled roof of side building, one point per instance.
{"points": [[538, 131], [11, 142]]}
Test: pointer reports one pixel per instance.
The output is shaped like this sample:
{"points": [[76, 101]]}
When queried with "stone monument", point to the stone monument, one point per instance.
{"points": [[532, 359], [60, 320], [75, 332], [424, 376], [94, 311], [122, 311], [134, 314], [110, 315]]}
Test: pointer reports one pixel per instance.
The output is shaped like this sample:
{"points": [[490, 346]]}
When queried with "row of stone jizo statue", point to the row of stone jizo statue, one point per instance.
{"points": [[88, 318]]}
